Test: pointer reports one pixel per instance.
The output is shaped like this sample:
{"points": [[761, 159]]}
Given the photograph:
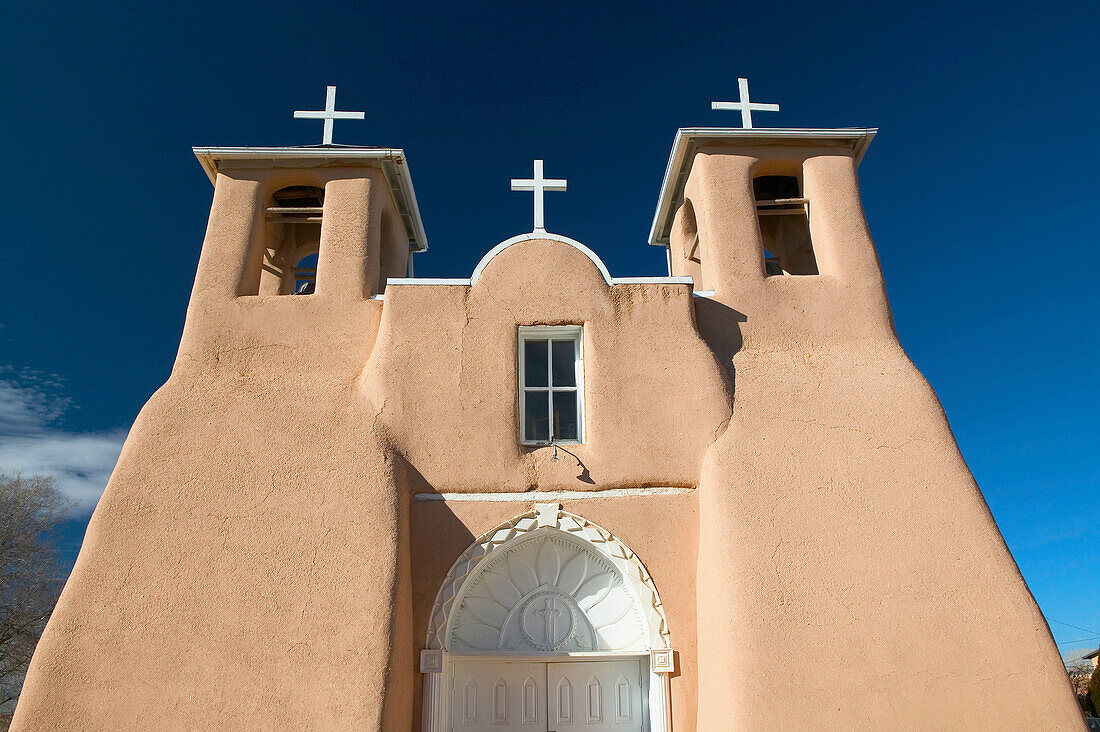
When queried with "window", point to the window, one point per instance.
{"points": [[784, 226], [551, 381], [293, 240]]}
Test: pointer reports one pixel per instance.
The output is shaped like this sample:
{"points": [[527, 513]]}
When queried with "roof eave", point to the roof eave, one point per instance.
{"points": [[688, 138], [392, 161]]}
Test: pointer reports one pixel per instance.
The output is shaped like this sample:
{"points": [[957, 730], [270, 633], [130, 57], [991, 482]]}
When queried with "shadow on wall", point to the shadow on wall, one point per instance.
{"points": [[720, 327], [437, 537], [584, 476]]}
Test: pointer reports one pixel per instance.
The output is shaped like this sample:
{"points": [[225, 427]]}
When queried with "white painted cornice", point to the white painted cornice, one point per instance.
{"points": [[689, 139], [391, 161]]}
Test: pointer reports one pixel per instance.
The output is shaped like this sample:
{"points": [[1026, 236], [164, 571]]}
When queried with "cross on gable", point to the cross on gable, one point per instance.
{"points": [[328, 114], [539, 186], [744, 105]]}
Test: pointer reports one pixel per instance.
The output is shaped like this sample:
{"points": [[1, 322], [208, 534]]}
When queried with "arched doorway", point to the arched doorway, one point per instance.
{"points": [[547, 623]]}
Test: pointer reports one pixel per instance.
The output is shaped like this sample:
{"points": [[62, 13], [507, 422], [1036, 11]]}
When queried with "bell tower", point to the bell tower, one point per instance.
{"points": [[349, 212], [775, 202], [300, 239], [835, 511], [256, 482]]}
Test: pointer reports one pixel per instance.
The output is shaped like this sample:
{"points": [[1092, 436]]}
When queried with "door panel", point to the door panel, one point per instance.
{"points": [[496, 696], [595, 696]]}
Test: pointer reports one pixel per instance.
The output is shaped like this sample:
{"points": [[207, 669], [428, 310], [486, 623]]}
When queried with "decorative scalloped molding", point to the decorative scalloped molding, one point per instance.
{"points": [[551, 516]]}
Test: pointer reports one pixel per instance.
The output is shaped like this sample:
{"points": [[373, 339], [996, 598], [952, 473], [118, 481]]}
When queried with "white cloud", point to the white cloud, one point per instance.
{"points": [[81, 463], [28, 406]]}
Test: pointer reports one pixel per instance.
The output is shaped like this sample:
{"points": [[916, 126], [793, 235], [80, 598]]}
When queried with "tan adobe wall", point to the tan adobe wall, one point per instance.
{"points": [[247, 565], [258, 560], [443, 375], [836, 509]]}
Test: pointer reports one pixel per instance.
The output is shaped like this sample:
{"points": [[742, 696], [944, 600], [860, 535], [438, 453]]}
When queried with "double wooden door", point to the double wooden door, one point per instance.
{"points": [[551, 696]]}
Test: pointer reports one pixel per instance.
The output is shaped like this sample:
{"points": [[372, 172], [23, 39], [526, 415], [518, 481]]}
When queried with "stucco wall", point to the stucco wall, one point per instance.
{"points": [[443, 377], [258, 561], [247, 565], [836, 509]]}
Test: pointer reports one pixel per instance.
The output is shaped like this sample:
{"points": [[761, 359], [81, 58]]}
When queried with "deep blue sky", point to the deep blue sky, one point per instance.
{"points": [[981, 191]]}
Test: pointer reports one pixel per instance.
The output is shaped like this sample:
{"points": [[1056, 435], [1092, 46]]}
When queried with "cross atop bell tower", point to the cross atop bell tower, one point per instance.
{"points": [[743, 105], [329, 115], [324, 222]]}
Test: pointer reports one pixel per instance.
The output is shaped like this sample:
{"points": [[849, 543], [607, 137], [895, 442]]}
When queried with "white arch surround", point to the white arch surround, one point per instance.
{"points": [[604, 599], [543, 518]]}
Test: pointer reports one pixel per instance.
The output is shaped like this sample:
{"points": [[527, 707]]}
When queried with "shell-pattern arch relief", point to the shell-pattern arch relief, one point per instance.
{"points": [[546, 582]]}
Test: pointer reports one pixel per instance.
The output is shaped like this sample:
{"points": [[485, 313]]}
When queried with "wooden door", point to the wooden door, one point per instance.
{"points": [[500, 695], [595, 696]]}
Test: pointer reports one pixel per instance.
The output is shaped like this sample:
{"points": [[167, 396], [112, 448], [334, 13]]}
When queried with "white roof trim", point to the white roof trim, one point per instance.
{"points": [[427, 281], [391, 161], [459, 281], [689, 138], [539, 236], [664, 280], [563, 495]]}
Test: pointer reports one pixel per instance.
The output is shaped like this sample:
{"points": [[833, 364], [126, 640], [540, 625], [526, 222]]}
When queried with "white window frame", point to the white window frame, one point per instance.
{"points": [[574, 333]]}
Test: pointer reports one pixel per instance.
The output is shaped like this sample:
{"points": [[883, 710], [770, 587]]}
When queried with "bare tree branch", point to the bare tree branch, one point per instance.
{"points": [[31, 509]]}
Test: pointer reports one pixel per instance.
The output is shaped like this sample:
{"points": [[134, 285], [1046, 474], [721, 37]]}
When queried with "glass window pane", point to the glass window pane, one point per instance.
{"points": [[565, 415], [565, 363], [537, 418], [534, 362]]}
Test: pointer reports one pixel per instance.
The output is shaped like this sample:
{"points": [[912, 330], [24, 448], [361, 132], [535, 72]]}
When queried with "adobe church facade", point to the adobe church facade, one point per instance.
{"points": [[544, 497]]}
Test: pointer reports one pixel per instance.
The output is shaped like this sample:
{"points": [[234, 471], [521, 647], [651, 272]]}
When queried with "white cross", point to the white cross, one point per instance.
{"points": [[744, 105], [538, 185], [328, 115]]}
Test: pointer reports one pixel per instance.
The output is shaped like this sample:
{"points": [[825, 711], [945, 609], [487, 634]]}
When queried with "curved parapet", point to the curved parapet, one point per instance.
{"points": [[534, 237], [539, 236]]}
